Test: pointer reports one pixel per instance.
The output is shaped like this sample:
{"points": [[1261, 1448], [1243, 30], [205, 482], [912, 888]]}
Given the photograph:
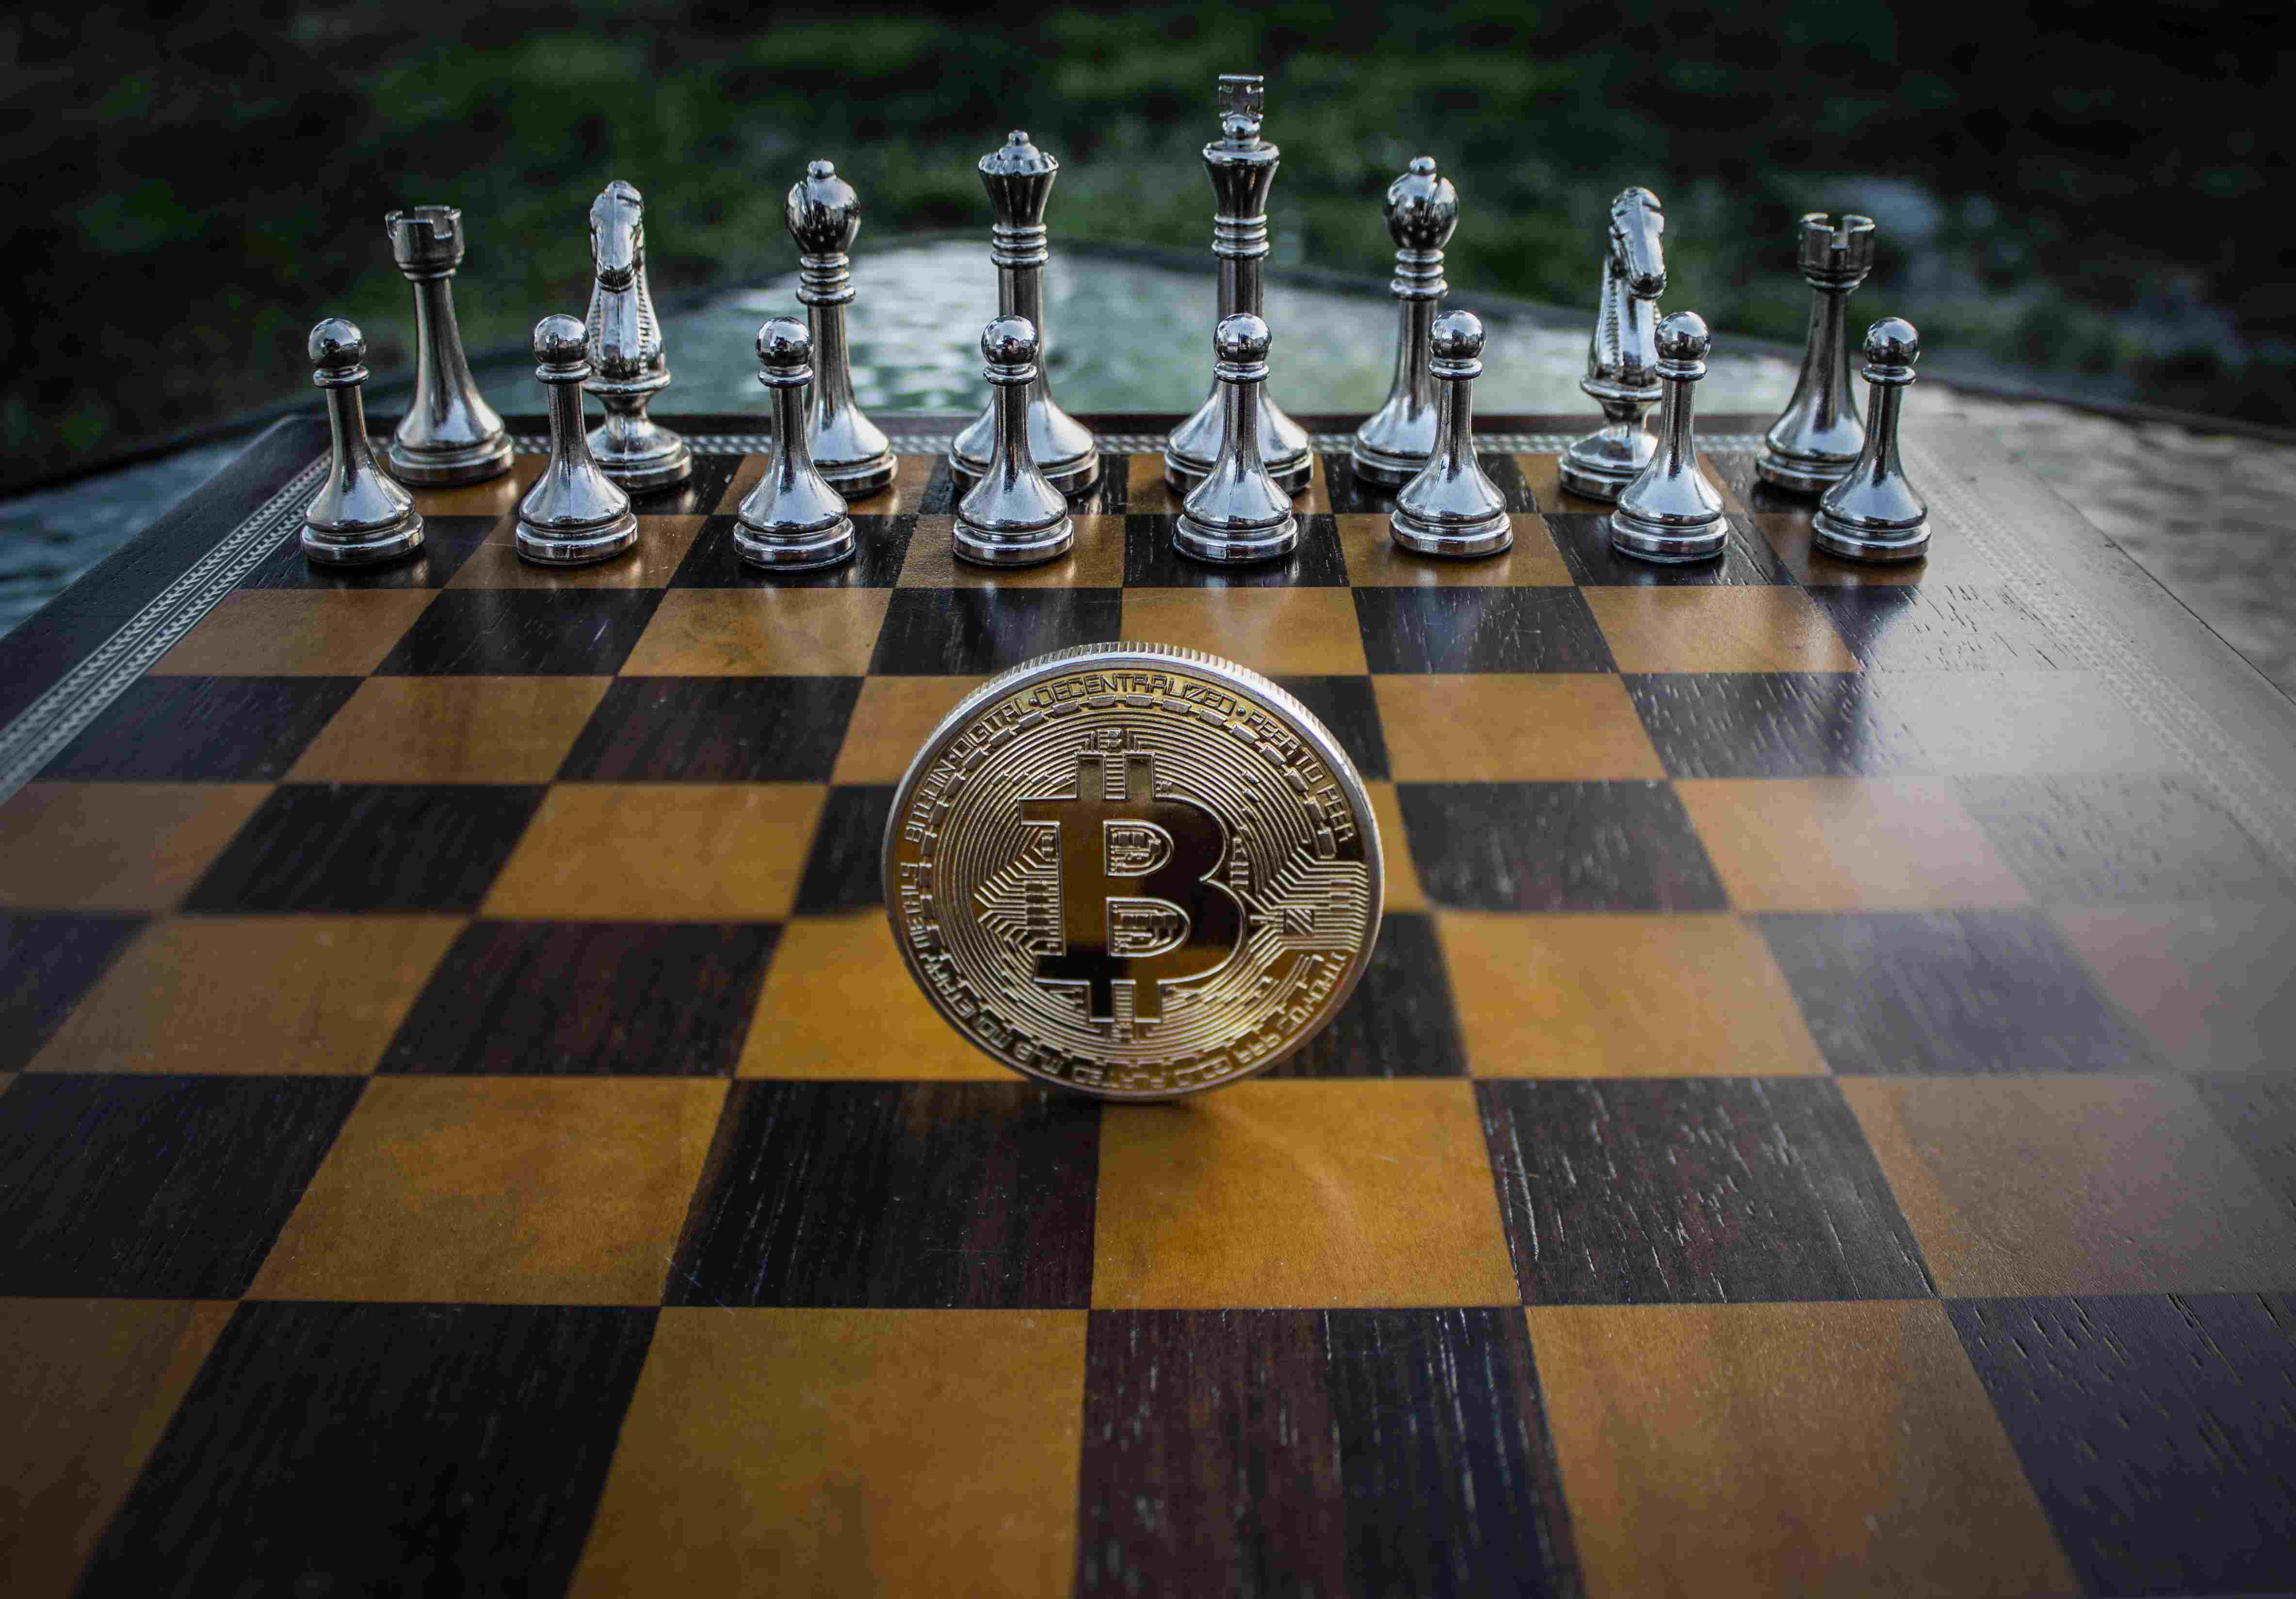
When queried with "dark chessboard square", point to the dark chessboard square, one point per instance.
{"points": [[1398, 1023], [972, 632], [882, 543], [341, 1448], [1355, 496], [845, 870], [2125, 841], [155, 1187], [1473, 629], [1693, 1190], [2259, 1115], [1770, 725], [619, 998], [497, 632], [929, 1196], [1150, 560], [1626, 846], [46, 963], [204, 729], [698, 496], [2155, 1430], [1109, 493], [715, 730], [1318, 1452], [1959, 628], [1345, 705], [1899, 993], [1585, 541], [447, 542], [368, 847]]}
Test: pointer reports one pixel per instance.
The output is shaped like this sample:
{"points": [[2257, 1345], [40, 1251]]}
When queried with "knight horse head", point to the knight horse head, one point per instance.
{"points": [[625, 340], [1625, 350]]}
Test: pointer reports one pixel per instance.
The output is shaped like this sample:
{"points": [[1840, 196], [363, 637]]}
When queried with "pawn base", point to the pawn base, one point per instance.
{"points": [[654, 469], [1072, 477], [1370, 464], [1231, 548], [370, 547], [439, 469], [800, 553], [1455, 540], [857, 479], [988, 547], [576, 547], [1182, 475], [1808, 476], [1665, 544], [1842, 540]]}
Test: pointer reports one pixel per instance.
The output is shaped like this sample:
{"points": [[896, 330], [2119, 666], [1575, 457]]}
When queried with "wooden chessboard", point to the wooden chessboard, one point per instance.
{"points": [[1820, 1116]]}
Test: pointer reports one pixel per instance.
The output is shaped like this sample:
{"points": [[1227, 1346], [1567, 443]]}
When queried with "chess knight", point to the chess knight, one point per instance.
{"points": [[1622, 356]]}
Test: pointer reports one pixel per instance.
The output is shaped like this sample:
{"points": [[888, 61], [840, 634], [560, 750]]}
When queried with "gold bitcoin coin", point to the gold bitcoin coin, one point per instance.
{"points": [[1133, 870]]}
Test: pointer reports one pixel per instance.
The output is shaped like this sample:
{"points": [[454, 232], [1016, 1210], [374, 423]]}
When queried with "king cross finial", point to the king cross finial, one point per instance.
{"points": [[1243, 98]]}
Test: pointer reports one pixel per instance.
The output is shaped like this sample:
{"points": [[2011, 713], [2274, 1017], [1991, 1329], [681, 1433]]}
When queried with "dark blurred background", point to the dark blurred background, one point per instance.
{"points": [[2078, 195]]}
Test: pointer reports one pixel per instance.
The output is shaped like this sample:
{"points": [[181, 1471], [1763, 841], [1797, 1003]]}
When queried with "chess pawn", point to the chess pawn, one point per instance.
{"points": [[848, 449], [794, 519], [1396, 440], [1013, 516], [1816, 438], [1622, 355], [1872, 513], [575, 513], [1238, 513], [360, 517], [1019, 178], [448, 435], [1450, 508], [1243, 168], [628, 366], [1671, 514]]}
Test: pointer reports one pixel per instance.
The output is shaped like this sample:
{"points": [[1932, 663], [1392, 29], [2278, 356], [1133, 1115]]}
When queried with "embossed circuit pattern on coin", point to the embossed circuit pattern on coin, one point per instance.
{"points": [[1134, 870]]}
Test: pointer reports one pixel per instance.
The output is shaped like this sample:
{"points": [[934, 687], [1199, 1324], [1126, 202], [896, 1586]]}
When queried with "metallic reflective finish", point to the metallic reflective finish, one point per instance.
{"points": [[628, 365], [794, 519], [360, 516], [1396, 440], [575, 513], [1450, 508], [1622, 356], [1019, 178], [1243, 168], [1670, 513], [1013, 516], [1238, 513], [1133, 870], [1873, 514], [449, 435], [1816, 439], [824, 214]]}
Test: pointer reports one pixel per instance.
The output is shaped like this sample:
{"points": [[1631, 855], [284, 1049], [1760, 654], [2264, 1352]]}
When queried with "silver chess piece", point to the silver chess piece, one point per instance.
{"points": [[1450, 508], [575, 513], [1013, 516], [1395, 441], [1019, 178], [628, 365], [1243, 167], [1670, 513], [848, 449], [1622, 356], [1238, 513], [360, 516], [794, 519], [449, 435], [1816, 439], [1873, 514]]}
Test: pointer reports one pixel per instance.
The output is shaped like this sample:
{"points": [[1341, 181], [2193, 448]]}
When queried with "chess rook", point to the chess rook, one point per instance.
{"points": [[1243, 168], [575, 513], [1622, 355], [1395, 442], [848, 449], [1671, 514], [1450, 508], [794, 519], [627, 364], [1816, 438], [449, 435], [1019, 178], [1873, 514], [1238, 513], [360, 516], [1013, 516]]}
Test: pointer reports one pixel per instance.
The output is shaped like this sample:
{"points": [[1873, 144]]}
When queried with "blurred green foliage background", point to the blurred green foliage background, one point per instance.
{"points": [[2078, 192]]}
